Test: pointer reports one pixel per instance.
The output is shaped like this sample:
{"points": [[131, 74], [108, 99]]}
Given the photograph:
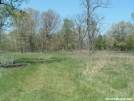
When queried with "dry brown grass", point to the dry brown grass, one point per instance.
{"points": [[100, 59]]}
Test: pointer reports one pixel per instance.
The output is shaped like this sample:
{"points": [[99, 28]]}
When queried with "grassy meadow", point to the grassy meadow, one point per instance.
{"points": [[69, 77]]}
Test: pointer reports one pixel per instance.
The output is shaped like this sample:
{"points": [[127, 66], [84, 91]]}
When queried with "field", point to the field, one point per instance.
{"points": [[69, 77]]}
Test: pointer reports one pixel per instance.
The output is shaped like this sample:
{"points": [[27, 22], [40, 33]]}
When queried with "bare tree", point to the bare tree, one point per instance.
{"points": [[50, 23], [35, 16], [90, 7], [132, 16], [79, 29]]}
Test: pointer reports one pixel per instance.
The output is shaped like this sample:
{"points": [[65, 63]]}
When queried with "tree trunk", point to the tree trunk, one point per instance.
{"points": [[88, 44], [92, 48], [93, 39], [46, 45], [13, 65]]}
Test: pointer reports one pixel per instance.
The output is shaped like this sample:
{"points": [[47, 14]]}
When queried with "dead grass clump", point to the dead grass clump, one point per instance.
{"points": [[106, 59]]}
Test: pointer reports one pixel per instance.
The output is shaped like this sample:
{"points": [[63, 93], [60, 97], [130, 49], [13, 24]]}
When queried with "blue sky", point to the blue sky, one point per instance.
{"points": [[120, 10]]}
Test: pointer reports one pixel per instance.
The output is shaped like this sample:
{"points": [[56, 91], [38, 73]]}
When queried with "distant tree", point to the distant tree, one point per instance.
{"points": [[50, 22], [110, 40], [7, 8], [68, 35], [79, 29], [35, 15], [23, 24], [101, 42], [13, 41], [4, 42], [130, 43], [122, 34], [90, 7]]}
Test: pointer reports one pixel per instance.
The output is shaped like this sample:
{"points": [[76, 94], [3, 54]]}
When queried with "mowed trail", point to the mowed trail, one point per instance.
{"points": [[50, 77], [38, 79]]}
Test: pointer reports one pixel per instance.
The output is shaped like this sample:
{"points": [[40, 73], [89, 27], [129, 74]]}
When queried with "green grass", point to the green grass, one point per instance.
{"points": [[69, 77]]}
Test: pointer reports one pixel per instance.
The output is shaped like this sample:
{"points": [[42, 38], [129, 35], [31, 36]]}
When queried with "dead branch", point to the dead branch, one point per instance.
{"points": [[14, 65]]}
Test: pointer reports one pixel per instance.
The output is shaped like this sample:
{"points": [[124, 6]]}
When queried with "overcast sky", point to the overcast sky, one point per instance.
{"points": [[120, 10]]}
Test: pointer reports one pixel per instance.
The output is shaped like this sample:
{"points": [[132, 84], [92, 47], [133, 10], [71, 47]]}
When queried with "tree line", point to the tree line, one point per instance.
{"points": [[35, 31], [120, 36]]}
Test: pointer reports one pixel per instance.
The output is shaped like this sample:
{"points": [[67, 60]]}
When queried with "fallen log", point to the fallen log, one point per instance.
{"points": [[14, 65]]}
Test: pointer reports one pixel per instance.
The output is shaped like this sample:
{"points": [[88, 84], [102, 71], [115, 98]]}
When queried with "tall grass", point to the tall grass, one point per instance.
{"points": [[69, 77]]}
